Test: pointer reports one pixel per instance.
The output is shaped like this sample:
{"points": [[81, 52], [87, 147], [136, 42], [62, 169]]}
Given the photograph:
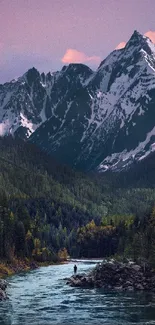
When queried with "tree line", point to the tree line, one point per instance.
{"points": [[48, 211]]}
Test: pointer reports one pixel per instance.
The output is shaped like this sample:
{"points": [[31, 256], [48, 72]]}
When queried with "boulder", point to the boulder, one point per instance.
{"points": [[3, 284], [135, 267], [139, 286], [116, 276], [3, 295], [128, 284], [118, 288], [129, 288]]}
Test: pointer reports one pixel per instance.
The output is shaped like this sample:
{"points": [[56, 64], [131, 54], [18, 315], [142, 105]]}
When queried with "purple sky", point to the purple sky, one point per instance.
{"points": [[40, 32]]}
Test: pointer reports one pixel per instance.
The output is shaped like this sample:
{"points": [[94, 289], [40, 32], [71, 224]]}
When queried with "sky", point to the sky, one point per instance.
{"points": [[48, 34]]}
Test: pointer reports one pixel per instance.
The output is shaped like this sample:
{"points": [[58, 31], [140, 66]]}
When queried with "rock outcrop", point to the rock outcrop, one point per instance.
{"points": [[117, 276], [3, 286]]}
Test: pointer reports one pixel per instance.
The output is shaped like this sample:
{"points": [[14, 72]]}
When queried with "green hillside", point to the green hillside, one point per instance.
{"points": [[45, 206]]}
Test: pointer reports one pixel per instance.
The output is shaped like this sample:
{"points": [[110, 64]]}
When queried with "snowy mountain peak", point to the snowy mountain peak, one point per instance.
{"points": [[102, 119], [77, 68], [109, 123], [138, 41], [136, 36]]}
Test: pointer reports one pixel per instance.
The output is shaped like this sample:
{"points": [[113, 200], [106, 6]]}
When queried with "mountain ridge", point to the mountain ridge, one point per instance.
{"points": [[90, 120]]}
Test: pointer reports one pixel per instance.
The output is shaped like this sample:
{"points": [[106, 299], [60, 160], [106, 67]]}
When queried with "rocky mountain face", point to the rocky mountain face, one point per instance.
{"points": [[30, 100], [90, 120]]}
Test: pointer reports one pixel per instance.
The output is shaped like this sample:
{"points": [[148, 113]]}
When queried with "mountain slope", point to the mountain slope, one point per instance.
{"points": [[110, 121], [29, 175], [89, 120], [45, 207], [27, 102]]}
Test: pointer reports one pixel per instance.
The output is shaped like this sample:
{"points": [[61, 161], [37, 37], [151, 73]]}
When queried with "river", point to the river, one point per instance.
{"points": [[41, 297]]}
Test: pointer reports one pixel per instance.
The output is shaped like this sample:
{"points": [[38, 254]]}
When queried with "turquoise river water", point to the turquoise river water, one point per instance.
{"points": [[41, 297]]}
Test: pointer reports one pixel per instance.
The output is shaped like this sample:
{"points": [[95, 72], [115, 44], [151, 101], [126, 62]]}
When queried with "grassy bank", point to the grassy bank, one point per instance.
{"points": [[18, 265], [23, 265]]}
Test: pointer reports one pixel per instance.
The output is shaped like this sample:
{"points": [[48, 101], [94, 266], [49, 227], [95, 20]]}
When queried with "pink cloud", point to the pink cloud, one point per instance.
{"points": [[151, 35], [120, 46], [74, 56]]}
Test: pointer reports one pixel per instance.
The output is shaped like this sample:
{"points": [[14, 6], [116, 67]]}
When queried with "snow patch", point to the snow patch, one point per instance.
{"points": [[138, 153], [27, 124], [4, 128]]}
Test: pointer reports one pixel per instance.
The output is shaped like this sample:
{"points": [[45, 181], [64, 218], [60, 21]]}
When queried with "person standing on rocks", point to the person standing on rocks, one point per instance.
{"points": [[75, 269]]}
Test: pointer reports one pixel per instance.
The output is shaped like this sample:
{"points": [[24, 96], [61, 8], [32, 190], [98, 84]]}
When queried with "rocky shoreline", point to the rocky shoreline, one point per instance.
{"points": [[117, 276], [17, 266], [7, 269], [3, 286]]}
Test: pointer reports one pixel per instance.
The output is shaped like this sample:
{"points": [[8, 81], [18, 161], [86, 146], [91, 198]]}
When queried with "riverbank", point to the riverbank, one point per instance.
{"points": [[16, 266], [3, 286], [117, 276], [20, 265]]}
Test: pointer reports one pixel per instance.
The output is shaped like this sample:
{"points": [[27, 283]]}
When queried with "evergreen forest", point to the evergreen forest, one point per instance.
{"points": [[49, 211]]}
